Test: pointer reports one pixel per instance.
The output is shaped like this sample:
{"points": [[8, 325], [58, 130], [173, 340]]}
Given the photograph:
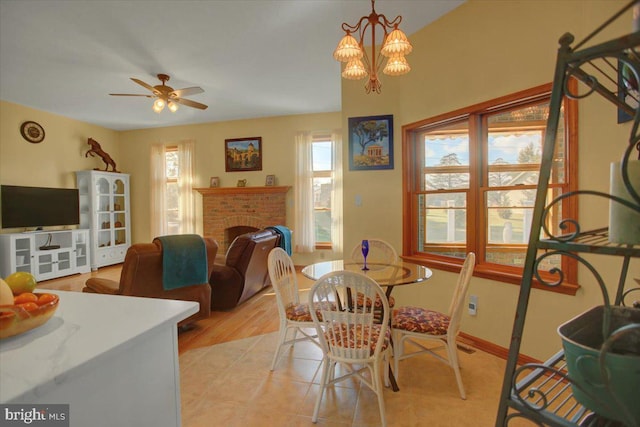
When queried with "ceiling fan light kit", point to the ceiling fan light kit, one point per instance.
{"points": [[158, 105], [395, 46], [166, 96]]}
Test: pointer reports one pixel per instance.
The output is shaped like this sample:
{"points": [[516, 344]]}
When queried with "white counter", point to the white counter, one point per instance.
{"points": [[114, 359]]}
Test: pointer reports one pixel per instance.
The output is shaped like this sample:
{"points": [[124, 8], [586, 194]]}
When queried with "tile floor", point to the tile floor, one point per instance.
{"points": [[230, 384]]}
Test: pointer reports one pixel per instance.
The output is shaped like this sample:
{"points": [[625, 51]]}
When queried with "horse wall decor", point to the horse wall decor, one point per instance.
{"points": [[96, 150]]}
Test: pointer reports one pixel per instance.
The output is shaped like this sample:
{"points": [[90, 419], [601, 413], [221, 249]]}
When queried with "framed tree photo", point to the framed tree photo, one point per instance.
{"points": [[371, 142], [243, 154]]}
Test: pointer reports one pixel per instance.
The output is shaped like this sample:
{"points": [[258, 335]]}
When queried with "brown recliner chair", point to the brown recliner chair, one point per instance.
{"points": [[243, 272], [142, 277]]}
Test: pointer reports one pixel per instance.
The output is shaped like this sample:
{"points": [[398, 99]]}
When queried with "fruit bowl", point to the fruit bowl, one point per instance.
{"points": [[15, 320]]}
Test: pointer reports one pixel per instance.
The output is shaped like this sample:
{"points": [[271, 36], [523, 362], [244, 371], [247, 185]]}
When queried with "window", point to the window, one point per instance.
{"points": [[172, 201], [322, 160], [318, 192], [472, 183]]}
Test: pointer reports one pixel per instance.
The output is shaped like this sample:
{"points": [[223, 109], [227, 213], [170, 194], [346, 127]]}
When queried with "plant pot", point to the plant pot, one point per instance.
{"points": [[583, 339]]}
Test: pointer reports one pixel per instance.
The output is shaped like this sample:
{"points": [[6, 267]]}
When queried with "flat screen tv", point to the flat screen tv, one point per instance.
{"points": [[38, 206]]}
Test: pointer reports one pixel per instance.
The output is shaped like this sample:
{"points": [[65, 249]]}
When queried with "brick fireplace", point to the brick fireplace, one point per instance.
{"points": [[241, 208]]}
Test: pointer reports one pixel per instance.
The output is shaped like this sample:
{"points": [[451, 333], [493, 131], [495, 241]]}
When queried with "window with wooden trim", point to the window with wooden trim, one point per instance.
{"points": [[471, 182]]}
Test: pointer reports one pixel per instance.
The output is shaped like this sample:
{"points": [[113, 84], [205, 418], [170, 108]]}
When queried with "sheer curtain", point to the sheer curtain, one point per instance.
{"points": [[304, 238], [336, 194], [186, 199], [158, 181], [186, 150]]}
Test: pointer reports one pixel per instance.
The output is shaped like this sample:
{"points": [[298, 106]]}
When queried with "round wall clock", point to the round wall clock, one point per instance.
{"points": [[32, 132]]}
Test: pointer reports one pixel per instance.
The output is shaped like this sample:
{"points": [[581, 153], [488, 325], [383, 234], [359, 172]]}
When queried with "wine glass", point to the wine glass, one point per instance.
{"points": [[365, 252]]}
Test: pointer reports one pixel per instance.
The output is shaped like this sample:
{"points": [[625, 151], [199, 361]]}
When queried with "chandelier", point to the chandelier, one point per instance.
{"points": [[359, 64]]}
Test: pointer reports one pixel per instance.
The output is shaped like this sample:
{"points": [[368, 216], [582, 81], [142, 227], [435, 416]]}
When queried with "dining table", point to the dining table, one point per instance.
{"points": [[387, 275]]}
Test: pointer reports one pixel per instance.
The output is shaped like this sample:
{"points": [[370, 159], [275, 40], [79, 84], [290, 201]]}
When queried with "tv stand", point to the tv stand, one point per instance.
{"points": [[45, 254]]}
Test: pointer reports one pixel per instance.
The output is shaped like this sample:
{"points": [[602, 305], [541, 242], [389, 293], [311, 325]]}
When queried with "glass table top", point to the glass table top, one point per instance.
{"points": [[400, 273]]}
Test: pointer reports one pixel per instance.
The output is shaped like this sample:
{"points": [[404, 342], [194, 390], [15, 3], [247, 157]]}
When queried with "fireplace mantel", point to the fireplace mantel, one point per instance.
{"points": [[212, 191]]}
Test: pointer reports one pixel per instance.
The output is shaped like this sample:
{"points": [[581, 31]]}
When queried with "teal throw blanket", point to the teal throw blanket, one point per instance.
{"points": [[184, 261], [285, 237]]}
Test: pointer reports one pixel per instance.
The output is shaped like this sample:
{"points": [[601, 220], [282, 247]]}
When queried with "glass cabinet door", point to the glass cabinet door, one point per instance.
{"points": [[22, 253]]}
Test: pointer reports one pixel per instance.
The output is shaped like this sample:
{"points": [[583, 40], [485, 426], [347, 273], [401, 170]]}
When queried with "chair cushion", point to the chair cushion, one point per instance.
{"points": [[421, 320], [360, 301], [300, 312], [352, 335]]}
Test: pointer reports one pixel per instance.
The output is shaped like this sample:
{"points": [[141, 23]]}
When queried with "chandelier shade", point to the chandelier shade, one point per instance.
{"points": [[361, 63], [396, 43], [348, 49], [354, 70], [397, 65]]}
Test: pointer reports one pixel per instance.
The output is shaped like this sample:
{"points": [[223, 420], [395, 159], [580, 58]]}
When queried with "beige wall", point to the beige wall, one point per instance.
{"points": [[52, 162], [480, 51], [278, 152]]}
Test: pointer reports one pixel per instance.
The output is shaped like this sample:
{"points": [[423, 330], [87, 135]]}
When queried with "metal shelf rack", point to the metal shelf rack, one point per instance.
{"points": [[542, 393]]}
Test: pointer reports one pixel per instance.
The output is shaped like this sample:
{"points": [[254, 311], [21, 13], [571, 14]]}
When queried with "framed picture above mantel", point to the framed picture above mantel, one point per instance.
{"points": [[243, 154]]}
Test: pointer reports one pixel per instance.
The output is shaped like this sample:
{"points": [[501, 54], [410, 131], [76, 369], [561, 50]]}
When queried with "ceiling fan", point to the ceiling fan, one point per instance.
{"points": [[166, 95]]}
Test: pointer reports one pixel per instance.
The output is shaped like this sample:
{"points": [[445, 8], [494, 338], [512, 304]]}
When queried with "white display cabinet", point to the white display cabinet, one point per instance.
{"points": [[45, 254], [104, 210]]}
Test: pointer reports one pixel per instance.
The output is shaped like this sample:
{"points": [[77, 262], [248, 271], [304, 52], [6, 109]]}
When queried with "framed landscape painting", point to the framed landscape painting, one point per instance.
{"points": [[243, 154], [371, 142]]}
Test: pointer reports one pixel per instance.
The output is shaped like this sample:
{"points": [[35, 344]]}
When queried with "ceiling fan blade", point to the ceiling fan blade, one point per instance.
{"points": [[190, 103], [131, 94], [186, 91], [145, 85]]}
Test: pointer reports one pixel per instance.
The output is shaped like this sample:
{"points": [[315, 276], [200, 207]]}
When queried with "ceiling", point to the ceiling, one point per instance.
{"points": [[253, 58]]}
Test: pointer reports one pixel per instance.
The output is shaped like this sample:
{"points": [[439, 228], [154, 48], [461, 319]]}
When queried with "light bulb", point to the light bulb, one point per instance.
{"points": [[158, 105], [173, 106]]}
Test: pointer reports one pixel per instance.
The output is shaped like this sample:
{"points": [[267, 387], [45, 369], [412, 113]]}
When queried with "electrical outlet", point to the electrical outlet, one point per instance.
{"points": [[473, 305]]}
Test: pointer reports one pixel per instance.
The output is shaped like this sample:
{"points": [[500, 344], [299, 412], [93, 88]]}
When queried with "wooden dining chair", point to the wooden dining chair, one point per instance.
{"points": [[349, 335], [294, 315], [412, 324]]}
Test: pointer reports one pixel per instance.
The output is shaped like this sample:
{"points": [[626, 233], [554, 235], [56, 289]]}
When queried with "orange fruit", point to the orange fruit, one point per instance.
{"points": [[45, 298], [25, 297], [29, 306]]}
